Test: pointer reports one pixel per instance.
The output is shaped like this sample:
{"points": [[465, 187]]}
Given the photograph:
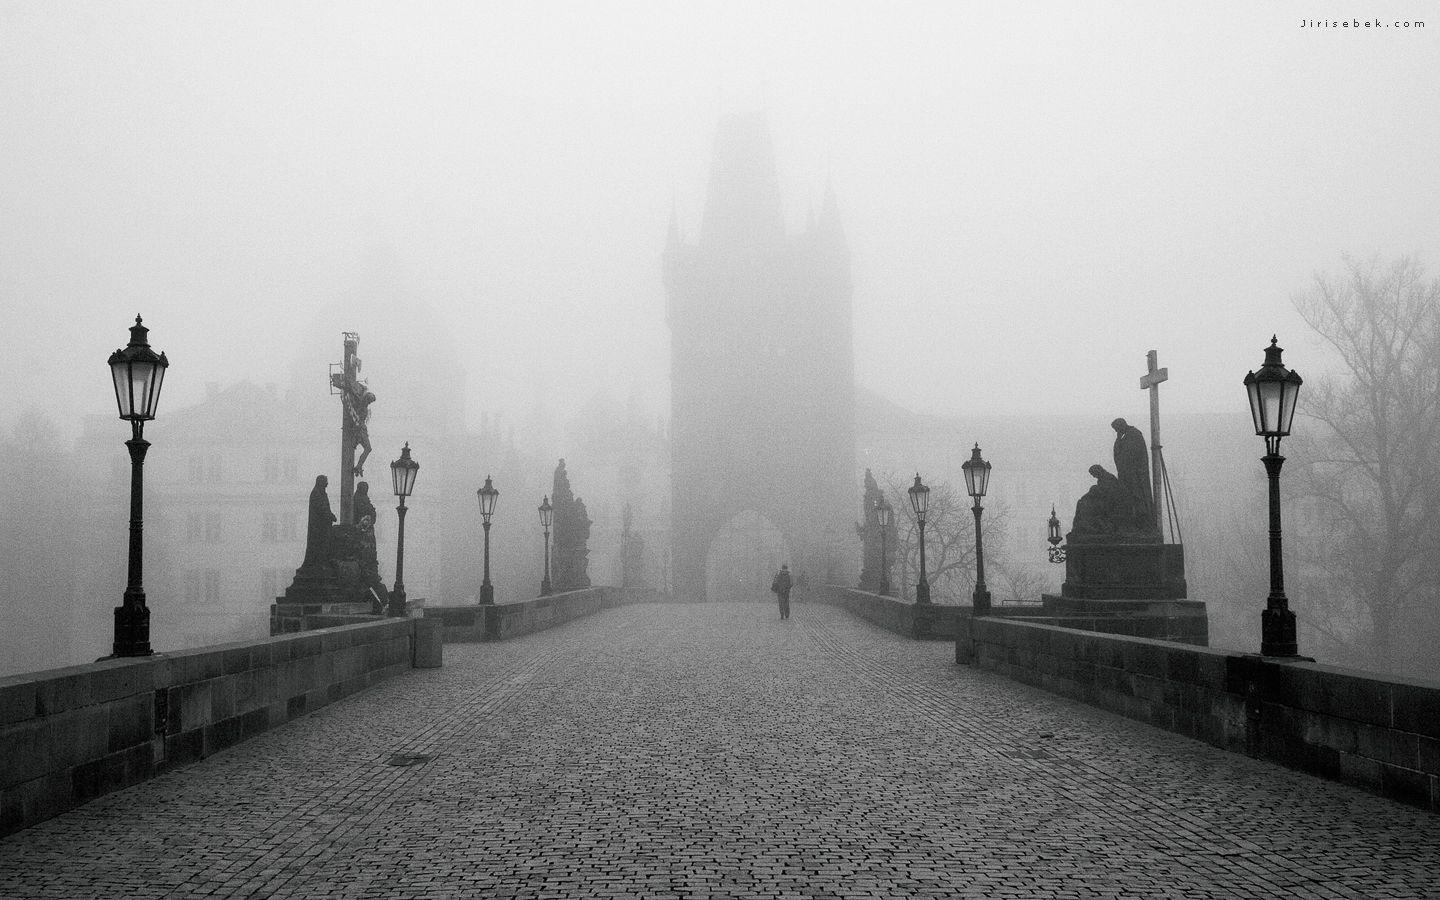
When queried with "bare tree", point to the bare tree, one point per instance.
{"points": [[949, 542], [1368, 484], [1014, 585]]}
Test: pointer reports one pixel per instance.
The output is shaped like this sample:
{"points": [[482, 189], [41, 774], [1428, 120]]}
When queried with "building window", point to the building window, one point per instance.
{"points": [[202, 586]]}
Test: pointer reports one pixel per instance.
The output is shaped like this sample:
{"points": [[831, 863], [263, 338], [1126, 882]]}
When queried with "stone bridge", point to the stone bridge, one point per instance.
{"points": [[711, 750]]}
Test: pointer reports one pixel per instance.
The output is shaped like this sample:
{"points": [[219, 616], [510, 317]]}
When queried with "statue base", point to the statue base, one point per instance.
{"points": [[1182, 621], [1124, 572], [288, 618], [313, 586]]}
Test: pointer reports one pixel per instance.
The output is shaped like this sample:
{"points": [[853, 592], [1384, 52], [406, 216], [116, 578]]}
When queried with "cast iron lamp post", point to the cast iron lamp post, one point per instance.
{"points": [[547, 514], [138, 373], [402, 472], [885, 515], [977, 478], [1057, 552], [920, 501], [1272, 391], [488, 495]]}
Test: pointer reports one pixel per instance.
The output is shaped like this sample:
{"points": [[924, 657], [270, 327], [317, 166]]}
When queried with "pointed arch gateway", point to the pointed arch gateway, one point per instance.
{"points": [[762, 371], [744, 555]]}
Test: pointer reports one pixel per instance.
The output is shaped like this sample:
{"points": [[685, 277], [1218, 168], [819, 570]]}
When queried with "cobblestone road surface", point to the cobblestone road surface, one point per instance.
{"points": [[714, 751]]}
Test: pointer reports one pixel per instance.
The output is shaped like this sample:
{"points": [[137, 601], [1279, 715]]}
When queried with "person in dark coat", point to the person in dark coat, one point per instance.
{"points": [[781, 588]]}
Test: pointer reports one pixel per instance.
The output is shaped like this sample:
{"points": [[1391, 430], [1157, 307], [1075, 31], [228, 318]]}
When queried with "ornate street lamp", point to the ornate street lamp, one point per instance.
{"points": [[885, 515], [487, 495], [547, 515], [138, 373], [1057, 552], [920, 501], [402, 473], [1272, 391], [977, 478]]}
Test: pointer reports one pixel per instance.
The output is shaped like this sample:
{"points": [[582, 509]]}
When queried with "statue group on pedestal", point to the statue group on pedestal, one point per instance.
{"points": [[878, 551], [572, 534], [341, 564], [1119, 507]]}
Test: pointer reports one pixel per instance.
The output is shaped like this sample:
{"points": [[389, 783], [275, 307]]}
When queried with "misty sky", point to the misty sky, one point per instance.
{"points": [[1034, 197]]}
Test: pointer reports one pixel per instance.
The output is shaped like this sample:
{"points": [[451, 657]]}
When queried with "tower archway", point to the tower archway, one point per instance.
{"points": [[744, 555]]}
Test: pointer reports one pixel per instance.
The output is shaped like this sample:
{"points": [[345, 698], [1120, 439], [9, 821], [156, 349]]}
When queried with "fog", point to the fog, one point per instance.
{"points": [[1032, 199]]}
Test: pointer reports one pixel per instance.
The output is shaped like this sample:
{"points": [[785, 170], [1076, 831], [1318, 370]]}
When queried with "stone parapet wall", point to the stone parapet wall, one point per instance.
{"points": [[70, 735], [927, 622], [1382, 734], [1182, 630], [501, 621]]}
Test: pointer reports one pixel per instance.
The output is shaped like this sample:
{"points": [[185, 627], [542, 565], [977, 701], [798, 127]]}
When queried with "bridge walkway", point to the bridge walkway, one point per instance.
{"points": [[714, 751]]}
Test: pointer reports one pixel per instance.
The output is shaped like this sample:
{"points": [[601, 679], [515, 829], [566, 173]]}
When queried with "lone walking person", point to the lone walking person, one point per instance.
{"points": [[781, 588]]}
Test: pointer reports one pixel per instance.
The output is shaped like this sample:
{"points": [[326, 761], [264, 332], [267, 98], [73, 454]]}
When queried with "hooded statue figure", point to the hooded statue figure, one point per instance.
{"points": [[317, 530], [1132, 467]]}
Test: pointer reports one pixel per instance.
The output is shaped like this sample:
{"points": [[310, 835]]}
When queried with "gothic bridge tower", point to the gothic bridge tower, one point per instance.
{"points": [[762, 368]]}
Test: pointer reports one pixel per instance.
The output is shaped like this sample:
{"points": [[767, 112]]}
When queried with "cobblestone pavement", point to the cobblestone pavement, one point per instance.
{"points": [[714, 751]]}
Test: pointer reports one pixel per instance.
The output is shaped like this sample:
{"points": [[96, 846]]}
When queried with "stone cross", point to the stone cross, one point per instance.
{"points": [[1151, 381]]}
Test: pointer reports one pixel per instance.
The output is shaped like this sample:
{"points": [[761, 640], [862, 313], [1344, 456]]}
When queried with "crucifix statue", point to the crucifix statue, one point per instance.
{"points": [[354, 423], [1151, 381]]}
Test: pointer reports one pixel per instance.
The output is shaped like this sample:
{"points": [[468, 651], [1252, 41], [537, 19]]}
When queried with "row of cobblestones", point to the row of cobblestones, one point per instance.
{"points": [[695, 751]]}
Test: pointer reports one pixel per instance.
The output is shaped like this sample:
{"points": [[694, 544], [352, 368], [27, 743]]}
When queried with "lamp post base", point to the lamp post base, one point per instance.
{"points": [[397, 604], [487, 594], [1277, 632], [981, 601], [922, 592], [132, 630]]}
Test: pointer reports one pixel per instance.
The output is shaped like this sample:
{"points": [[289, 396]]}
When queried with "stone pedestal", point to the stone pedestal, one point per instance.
{"points": [[287, 618], [1124, 572], [312, 586], [1183, 621], [344, 588]]}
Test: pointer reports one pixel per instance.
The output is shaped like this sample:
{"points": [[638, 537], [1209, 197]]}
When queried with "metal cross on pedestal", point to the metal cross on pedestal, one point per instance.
{"points": [[1151, 381]]}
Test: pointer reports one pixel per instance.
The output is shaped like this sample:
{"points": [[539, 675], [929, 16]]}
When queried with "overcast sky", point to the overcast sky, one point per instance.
{"points": [[1034, 196]]}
